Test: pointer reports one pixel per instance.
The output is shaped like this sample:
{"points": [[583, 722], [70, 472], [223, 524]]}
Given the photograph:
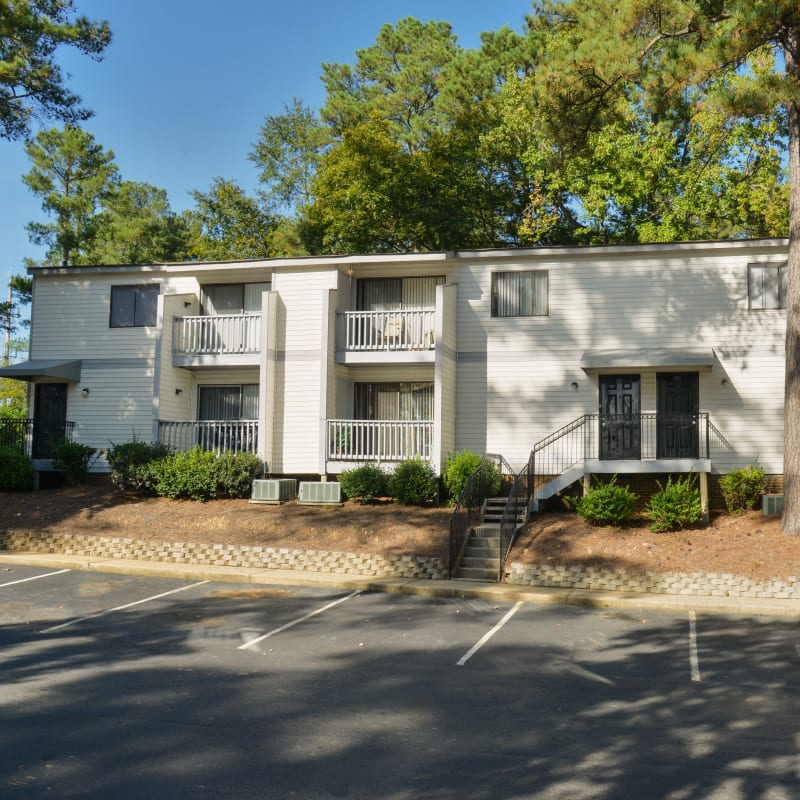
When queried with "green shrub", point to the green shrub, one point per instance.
{"points": [[458, 469], [742, 488], [130, 464], [413, 482], [234, 473], [364, 483], [606, 504], [16, 470], [676, 505], [73, 459], [187, 474]]}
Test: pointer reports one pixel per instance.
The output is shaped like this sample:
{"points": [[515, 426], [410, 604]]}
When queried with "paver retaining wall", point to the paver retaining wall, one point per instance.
{"points": [[228, 555]]}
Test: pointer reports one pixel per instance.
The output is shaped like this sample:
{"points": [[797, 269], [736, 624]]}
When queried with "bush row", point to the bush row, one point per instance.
{"points": [[674, 506], [413, 482], [196, 474]]}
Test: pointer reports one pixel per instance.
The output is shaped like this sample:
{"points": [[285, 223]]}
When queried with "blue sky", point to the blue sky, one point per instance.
{"points": [[182, 91]]}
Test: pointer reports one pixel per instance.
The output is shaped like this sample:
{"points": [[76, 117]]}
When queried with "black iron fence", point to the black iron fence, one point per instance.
{"points": [[614, 437], [32, 438]]}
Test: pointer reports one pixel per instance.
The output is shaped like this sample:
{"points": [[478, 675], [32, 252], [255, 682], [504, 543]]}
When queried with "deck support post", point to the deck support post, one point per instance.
{"points": [[704, 497], [587, 483]]}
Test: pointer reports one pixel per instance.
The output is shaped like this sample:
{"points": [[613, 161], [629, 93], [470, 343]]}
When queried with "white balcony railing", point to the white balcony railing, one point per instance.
{"points": [[385, 440], [221, 334], [386, 330], [236, 435]]}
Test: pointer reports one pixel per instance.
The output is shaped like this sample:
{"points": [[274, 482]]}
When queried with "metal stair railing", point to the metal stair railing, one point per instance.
{"points": [[557, 452], [518, 496], [467, 510]]}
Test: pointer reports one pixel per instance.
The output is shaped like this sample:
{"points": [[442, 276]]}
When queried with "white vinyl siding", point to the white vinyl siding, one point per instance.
{"points": [[766, 286], [297, 415], [515, 375], [70, 317], [520, 294]]}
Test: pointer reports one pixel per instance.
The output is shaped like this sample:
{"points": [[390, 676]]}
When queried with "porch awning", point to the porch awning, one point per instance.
{"points": [[43, 369], [663, 359]]}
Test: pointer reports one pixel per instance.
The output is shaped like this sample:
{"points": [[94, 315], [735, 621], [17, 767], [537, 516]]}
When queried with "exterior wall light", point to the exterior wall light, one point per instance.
{"points": [[84, 392]]}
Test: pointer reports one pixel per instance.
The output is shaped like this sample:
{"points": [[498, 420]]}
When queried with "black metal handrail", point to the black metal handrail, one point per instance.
{"points": [[519, 496], [467, 510], [647, 436], [32, 438]]}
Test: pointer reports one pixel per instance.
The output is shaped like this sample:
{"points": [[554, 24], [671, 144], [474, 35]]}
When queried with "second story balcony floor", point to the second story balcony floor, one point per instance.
{"points": [[385, 336], [217, 340]]}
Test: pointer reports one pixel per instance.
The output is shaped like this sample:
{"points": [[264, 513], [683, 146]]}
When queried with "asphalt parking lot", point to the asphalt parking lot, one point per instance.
{"points": [[127, 686]]}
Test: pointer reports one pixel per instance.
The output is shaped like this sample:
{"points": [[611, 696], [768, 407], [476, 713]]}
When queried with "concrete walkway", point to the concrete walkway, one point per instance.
{"points": [[440, 588]]}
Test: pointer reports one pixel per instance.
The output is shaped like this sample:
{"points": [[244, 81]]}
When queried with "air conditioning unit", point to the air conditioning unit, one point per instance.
{"points": [[320, 493], [274, 491], [772, 505]]}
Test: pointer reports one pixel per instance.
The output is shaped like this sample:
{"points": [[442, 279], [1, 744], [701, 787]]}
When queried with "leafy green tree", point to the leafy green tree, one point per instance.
{"points": [[287, 154], [73, 176], [13, 393], [596, 53], [397, 79], [137, 226], [13, 399], [31, 82], [411, 164], [229, 224]]}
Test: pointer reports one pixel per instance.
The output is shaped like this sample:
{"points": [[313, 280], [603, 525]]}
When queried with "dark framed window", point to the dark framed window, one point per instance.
{"points": [[521, 294], [134, 306], [394, 401], [766, 286], [228, 402]]}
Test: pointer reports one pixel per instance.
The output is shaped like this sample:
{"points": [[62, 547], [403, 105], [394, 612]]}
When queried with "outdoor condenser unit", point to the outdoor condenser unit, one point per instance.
{"points": [[274, 491], [772, 505], [320, 492]]}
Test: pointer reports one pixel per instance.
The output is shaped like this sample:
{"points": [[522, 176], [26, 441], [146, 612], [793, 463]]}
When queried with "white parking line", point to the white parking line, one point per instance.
{"points": [[297, 621], [34, 578], [488, 635], [121, 608], [694, 661]]}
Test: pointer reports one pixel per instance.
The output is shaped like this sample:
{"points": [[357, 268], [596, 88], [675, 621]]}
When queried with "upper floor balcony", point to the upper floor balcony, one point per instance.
{"points": [[217, 340], [386, 336]]}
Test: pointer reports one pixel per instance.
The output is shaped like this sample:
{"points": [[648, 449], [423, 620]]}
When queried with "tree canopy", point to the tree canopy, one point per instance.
{"points": [[32, 85]]}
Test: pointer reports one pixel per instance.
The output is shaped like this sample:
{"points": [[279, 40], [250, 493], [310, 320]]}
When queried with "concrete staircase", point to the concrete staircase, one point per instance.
{"points": [[481, 559]]}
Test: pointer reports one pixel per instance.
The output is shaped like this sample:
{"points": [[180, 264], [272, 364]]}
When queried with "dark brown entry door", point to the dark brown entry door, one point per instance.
{"points": [[50, 417], [620, 423], [678, 404]]}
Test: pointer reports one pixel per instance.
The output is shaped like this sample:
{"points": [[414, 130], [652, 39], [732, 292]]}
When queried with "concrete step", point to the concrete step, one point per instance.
{"points": [[474, 574], [486, 529], [483, 546], [472, 562]]}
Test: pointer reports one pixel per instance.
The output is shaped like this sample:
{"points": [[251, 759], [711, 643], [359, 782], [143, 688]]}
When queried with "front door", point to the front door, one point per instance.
{"points": [[678, 404], [50, 417], [620, 423]]}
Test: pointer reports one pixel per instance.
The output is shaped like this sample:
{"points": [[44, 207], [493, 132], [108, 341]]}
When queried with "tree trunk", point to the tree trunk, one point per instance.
{"points": [[791, 419]]}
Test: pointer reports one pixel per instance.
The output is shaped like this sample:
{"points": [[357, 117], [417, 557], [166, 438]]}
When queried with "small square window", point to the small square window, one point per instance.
{"points": [[766, 286], [520, 294], [134, 306]]}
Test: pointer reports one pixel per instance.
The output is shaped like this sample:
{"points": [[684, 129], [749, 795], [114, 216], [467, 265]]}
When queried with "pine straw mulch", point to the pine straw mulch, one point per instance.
{"points": [[749, 544]]}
